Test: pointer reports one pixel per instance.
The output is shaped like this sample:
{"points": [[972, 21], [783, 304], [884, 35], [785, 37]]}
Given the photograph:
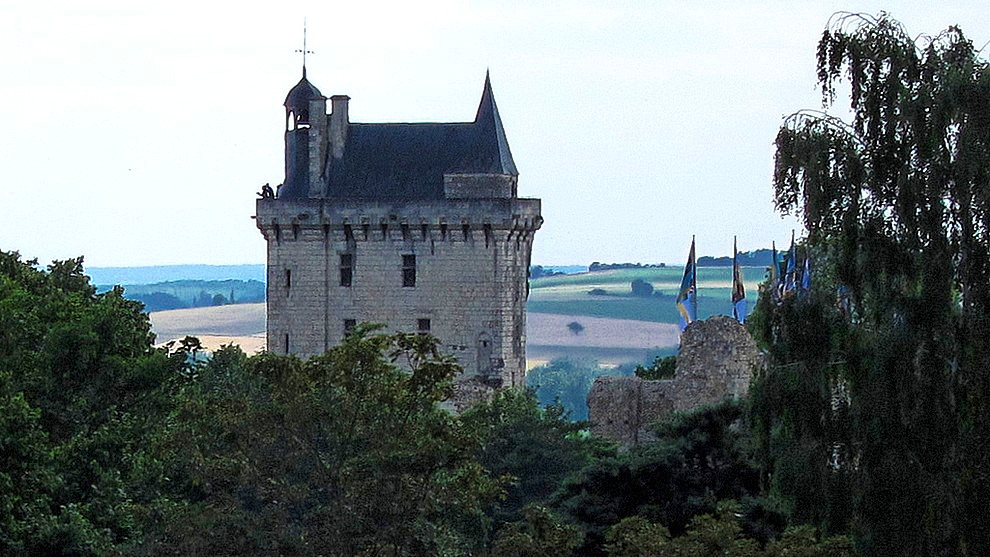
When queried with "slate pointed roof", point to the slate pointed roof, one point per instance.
{"points": [[495, 145], [407, 161], [300, 95]]}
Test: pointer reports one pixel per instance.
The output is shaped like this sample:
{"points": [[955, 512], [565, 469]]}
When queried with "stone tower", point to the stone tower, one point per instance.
{"points": [[417, 226]]}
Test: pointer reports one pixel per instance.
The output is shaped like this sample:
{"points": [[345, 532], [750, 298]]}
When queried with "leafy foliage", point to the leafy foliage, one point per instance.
{"points": [[662, 368], [719, 533], [698, 459], [79, 390], [640, 288], [533, 448], [538, 534], [344, 454], [177, 294], [879, 400], [755, 258], [567, 382]]}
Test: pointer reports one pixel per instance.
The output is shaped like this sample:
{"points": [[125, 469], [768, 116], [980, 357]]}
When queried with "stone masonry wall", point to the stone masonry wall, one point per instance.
{"points": [[472, 259], [716, 359]]}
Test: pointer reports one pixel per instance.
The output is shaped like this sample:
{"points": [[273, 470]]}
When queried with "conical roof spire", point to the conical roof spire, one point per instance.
{"points": [[488, 120]]}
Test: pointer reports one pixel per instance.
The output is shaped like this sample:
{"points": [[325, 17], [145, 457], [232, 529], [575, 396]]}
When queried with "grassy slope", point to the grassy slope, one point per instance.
{"points": [[568, 295]]}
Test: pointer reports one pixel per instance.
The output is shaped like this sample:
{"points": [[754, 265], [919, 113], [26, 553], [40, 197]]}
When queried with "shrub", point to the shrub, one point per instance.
{"points": [[641, 288]]}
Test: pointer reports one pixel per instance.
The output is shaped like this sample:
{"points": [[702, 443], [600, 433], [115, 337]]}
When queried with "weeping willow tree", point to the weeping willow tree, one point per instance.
{"points": [[874, 415]]}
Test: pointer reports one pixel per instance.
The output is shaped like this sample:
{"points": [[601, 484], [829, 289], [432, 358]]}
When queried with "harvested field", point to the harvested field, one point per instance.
{"points": [[599, 332], [609, 341], [538, 355], [249, 344], [238, 320]]}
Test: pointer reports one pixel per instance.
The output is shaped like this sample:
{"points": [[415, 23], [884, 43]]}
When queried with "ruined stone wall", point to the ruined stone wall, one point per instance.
{"points": [[715, 360], [472, 259]]}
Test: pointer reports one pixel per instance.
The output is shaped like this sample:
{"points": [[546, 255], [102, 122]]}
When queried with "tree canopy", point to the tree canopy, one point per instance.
{"points": [[874, 413]]}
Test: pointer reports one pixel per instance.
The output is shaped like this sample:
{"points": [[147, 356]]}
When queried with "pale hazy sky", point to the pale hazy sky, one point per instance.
{"points": [[137, 133]]}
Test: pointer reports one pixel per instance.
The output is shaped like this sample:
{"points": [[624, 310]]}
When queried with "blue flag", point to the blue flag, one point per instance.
{"points": [[738, 289], [806, 275], [790, 276], [687, 297], [774, 272]]}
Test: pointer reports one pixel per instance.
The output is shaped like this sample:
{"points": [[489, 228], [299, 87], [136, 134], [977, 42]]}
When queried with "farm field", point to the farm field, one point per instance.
{"points": [[617, 327], [609, 341], [239, 323], [569, 294]]}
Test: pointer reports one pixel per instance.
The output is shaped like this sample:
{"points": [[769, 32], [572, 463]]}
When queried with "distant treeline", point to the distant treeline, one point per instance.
{"points": [[179, 294], [164, 273], [537, 271], [757, 258], [596, 266]]}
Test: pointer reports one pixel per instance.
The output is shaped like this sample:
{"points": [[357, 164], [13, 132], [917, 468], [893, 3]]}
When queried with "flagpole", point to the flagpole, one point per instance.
{"points": [[732, 293], [694, 278]]}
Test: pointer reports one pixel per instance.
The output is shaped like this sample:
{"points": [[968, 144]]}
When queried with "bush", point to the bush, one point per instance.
{"points": [[641, 288], [662, 368]]}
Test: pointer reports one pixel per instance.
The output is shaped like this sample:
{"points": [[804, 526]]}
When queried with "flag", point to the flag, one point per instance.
{"points": [[738, 289], [781, 273], [773, 265], [806, 274], [774, 272], [842, 300], [687, 297], [790, 275]]}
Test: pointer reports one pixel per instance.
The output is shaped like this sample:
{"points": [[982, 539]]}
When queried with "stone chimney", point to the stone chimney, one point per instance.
{"points": [[317, 145], [338, 124]]}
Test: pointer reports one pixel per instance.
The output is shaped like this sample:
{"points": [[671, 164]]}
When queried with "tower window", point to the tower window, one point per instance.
{"points": [[349, 325], [423, 325], [346, 268], [288, 280], [286, 343], [408, 270]]}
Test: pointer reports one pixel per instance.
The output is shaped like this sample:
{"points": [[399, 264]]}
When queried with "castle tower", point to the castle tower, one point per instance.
{"points": [[417, 226]]}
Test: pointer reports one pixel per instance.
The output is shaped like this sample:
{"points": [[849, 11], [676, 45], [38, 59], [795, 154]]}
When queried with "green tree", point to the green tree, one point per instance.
{"points": [[720, 533], [698, 459], [567, 382], [634, 536], [538, 534], [80, 394], [347, 453], [533, 448], [879, 401], [663, 367], [641, 288]]}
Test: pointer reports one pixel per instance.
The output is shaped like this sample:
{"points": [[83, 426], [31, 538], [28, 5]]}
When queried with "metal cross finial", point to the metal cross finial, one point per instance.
{"points": [[304, 51]]}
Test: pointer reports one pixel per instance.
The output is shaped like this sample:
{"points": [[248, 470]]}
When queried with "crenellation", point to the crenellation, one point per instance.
{"points": [[454, 257]]}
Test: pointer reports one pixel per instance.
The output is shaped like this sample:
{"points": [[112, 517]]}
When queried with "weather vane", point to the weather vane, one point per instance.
{"points": [[304, 51]]}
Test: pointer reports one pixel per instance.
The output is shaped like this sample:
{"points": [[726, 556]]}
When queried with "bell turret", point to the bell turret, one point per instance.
{"points": [[297, 103], [305, 140]]}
